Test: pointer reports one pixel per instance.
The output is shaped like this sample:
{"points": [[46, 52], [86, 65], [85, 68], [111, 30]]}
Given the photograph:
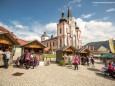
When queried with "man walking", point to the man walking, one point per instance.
{"points": [[92, 62], [7, 57]]}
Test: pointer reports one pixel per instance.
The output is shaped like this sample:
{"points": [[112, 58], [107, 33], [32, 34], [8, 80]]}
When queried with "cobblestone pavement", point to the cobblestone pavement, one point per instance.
{"points": [[55, 75]]}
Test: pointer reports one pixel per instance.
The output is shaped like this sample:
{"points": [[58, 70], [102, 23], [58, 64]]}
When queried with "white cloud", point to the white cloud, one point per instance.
{"points": [[79, 5], [18, 25], [74, 1], [110, 10], [32, 31], [95, 30], [71, 3], [51, 26], [105, 18], [87, 15], [103, 2]]}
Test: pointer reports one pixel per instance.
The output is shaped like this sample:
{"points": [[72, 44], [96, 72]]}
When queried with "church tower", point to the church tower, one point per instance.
{"points": [[62, 29], [66, 31]]}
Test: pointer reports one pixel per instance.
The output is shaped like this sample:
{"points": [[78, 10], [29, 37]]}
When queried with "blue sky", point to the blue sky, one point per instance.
{"points": [[28, 19]]}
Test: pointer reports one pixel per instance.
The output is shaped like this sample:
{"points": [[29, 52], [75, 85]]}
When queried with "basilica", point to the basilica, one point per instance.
{"points": [[68, 34]]}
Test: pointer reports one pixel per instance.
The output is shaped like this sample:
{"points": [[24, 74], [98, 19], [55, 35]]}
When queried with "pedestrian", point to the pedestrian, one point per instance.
{"points": [[48, 61], [87, 60], [92, 62], [27, 60], [1, 57], [32, 60], [111, 70], [76, 61], [7, 57]]}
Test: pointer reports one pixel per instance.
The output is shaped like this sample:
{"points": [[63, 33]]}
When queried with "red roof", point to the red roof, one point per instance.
{"points": [[21, 41], [3, 29]]}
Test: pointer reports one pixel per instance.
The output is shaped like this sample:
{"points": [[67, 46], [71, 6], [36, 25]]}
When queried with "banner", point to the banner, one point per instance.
{"points": [[111, 45]]}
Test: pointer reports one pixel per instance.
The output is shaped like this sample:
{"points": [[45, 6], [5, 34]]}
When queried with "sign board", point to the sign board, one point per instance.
{"points": [[41, 63]]}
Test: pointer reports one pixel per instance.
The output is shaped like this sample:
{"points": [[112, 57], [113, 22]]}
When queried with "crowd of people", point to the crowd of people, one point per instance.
{"points": [[30, 59], [87, 60], [27, 60], [76, 60]]}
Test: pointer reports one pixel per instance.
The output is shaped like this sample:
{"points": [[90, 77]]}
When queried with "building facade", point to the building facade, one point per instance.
{"points": [[68, 34]]}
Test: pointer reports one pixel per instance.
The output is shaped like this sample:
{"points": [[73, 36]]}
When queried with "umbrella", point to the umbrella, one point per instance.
{"points": [[107, 55]]}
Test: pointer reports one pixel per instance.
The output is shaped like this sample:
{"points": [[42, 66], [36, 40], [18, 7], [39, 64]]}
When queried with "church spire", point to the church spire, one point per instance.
{"points": [[69, 12]]}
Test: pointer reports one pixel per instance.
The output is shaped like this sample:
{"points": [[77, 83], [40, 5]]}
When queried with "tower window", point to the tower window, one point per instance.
{"points": [[60, 43], [53, 43], [50, 44], [47, 44], [60, 30], [66, 30]]}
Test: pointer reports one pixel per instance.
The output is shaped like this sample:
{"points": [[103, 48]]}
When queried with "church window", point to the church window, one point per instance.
{"points": [[47, 44], [53, 43], [60, 43], [50, 44], [66, 30], [60, 30]]}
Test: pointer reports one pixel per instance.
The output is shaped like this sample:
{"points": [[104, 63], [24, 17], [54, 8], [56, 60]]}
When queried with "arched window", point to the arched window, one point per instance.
{"points": [[50, 44], [60, 43], [66, 30], [47, 44], [60, 31], [53, 43]]}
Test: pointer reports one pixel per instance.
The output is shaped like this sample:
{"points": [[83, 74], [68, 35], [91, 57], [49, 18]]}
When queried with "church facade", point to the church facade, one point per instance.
{"points": [[68, 34]]}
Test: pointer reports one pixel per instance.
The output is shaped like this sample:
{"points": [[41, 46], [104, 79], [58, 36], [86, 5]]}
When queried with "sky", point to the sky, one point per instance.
{"points": [[29, 19]]}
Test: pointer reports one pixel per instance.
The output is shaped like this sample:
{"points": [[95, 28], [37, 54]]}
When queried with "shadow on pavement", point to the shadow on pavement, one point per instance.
{"points": [[93, 69], [53, 62], [107, 77], [69, 67], [98, 63], [1, 66]]}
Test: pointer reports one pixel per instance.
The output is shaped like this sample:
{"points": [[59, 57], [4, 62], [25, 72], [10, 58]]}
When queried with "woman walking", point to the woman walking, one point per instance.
{"points": [[76, 61]]}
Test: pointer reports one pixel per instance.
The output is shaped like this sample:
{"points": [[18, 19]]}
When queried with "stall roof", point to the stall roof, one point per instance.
{"points": [[83, 49], [34, 41], [10, 36], [66, 47]]}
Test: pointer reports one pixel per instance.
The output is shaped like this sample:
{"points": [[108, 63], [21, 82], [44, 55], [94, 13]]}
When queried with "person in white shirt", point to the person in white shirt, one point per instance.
{"points": [[32, 60], [7, 57], [1, 57]]}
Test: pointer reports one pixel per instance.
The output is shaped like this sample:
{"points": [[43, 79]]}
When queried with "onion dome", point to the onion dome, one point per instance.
{"points": [[62, 19], [45, 35]]}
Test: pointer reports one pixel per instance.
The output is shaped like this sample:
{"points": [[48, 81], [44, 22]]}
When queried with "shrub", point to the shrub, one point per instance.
{"points": [[62, 62]]}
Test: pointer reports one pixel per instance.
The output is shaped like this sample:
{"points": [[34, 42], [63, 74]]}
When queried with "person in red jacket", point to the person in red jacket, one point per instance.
{"points": [[110, 67], [111, 70], [76, 61]]}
